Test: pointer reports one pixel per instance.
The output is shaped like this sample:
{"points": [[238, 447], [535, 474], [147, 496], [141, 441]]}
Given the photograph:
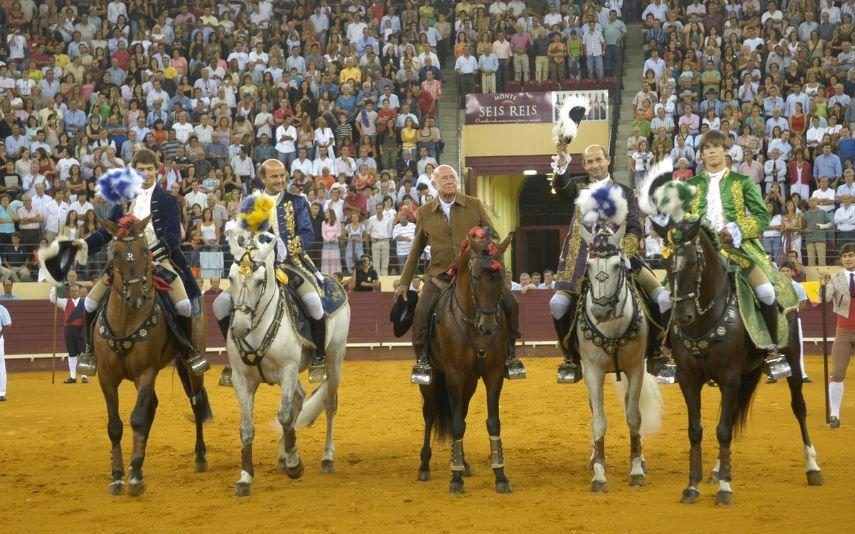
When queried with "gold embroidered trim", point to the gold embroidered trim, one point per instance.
{"points": [[629, 244], [748, 224], [566, 274], [295, 248]]}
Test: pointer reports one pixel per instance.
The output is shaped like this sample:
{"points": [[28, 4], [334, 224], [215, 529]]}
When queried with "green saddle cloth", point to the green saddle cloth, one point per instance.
{"points": [[749, 309]]}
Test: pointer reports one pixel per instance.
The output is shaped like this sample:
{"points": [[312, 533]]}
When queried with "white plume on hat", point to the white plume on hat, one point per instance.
{"points": [[573, 109]]}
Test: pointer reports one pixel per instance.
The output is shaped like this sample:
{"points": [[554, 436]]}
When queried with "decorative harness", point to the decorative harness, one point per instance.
{"points": [[610, 345], [717, 332]]}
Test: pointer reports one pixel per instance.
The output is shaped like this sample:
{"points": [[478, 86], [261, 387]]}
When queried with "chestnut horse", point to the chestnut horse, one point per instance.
{"points": [[471, 336], [131, 341]]}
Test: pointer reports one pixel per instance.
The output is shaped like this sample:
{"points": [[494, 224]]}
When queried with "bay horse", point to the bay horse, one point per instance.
{"points": [[470, 341], [131, 341], [612, 330], [710, 342], [263, 347]]}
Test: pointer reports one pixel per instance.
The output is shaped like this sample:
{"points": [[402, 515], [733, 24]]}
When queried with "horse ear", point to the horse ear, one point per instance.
{"points": [[690, 229], [618, 237], [110, 226], [505, 243], [139, 226], [587, 237], [661, 230]]}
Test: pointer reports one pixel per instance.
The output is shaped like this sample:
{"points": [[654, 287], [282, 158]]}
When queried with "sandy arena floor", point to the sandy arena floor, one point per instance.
{"points": [[55, 464]]}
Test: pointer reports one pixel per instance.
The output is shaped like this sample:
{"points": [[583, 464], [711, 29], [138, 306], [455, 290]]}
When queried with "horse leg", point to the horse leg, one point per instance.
{"points": [[142, 418], [458, 403], [724, 434], [201, 413], [114, 431], [691, 388], [594, 382], [494, 430], [797, 403], [289, 407], [245, 390], [633, 421], [331, 407], [429, 415]]}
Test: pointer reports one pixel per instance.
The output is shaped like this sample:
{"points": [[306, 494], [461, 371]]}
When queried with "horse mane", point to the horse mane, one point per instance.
{"points": [[711, 234]]}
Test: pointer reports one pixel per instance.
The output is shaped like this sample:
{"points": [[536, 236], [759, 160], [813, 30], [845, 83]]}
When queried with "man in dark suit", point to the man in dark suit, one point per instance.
{"points": [[163, 235], [292, 223], [443, 223], [407, 163]]}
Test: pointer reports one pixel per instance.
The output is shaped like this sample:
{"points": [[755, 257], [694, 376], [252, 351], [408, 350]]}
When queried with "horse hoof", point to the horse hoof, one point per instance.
{"points": [[202, 466], [599, 486], [242, 489], [814, 478], [327, 467], [117, 487], [636, 481], [424, 476], [455, 488], [503, 487], [713, 478], [294, 472], [723, 498], [690, 496], [136, 490]]}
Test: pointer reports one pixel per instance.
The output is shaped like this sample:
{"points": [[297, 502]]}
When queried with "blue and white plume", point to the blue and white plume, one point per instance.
{"points": [[602, 203], [120, 185], [573, 109]]}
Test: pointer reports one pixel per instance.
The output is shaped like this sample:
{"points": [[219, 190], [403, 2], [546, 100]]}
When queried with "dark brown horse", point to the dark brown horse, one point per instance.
{"points": [[132, 342], [710, 342], [470, 341]]}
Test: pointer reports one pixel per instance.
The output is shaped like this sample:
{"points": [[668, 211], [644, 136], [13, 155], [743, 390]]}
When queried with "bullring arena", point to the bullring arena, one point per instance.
{"points": [[56, 460]]}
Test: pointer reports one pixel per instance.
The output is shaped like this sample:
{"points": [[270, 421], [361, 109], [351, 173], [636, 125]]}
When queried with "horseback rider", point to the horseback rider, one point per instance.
{"points": [[292, 223], [574, 254], [732, 204], [442, 224], [163, 236]]}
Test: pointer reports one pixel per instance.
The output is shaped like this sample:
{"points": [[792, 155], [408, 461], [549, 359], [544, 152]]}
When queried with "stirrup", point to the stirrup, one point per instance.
{"points": [[198, 364], [86, 363], [421, 373], [514, 369], [226, 377], [569, 372], [777, 365], [667, 373], [317, 370]]}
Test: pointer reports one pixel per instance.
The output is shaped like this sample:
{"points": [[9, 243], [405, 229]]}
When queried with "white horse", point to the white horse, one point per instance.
{"points": [[613, 330], [264, 348]]}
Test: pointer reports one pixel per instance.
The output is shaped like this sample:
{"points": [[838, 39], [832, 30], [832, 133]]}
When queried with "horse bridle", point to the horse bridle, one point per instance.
{"points": [[473, 284], [678, 263], [613, 299], [132, 278], [246, 266]]}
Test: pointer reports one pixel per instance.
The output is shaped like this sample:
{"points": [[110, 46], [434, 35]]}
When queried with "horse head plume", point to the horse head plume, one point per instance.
{"points": [[658, 175], [120, 185], [602, 204], [570, 115], [674, 199], [255, 213]]}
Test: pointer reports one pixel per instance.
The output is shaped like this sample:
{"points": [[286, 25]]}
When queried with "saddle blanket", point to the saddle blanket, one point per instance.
{"points": [[750, 311], [333, 297]]}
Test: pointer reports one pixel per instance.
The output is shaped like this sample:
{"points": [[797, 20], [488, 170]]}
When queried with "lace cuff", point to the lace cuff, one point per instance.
{"points": [[560, 169], [735, 233]]}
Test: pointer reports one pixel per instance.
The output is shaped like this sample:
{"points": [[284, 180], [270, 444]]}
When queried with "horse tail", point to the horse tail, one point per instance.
{"points": [[649, 404], [747, 387], [199, 401], [438, 398], [312, 407]]}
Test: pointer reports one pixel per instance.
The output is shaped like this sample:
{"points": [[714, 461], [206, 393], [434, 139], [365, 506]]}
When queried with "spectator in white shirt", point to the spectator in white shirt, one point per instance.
{"points": [[824, 195], [844, 220]]}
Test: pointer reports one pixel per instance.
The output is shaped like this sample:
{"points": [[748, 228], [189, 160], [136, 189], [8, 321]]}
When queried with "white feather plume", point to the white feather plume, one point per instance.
{"points": [[604, 202], [646, 202], [672, 199], [565, 128]]}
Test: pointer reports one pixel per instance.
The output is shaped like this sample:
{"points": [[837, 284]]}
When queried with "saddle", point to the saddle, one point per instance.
{"points": [[333, 297], [162, 310]]}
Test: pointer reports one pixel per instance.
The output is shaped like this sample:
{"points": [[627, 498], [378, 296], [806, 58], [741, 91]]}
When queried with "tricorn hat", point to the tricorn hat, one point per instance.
{"points": [[402, 312], [59, 257]]}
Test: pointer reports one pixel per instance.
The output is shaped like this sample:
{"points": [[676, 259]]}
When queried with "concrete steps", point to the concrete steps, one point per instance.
{"points": [[449, 118], [633, 63]]}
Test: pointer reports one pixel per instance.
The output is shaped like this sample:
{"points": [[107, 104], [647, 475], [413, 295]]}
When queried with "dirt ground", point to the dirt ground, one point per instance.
{"points": [[55, 464]]}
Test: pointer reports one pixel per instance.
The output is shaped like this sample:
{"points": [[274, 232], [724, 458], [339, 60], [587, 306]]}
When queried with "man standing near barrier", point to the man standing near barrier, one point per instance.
{"points": [[840, 291], [5, 323], [73, 315]]}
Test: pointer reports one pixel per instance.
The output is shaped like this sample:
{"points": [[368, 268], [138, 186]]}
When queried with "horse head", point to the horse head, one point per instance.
{"points": [[684, 261], [250, 276], [606, 267], [132, 265], [482, 270]]}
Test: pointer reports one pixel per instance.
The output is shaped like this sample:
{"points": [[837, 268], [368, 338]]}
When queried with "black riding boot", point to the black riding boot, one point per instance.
{"points": [[195, 360], [514, 368], [226, 375], [86, 364], [318, 367], [776, 364], [570, 370], [656, 359]]}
